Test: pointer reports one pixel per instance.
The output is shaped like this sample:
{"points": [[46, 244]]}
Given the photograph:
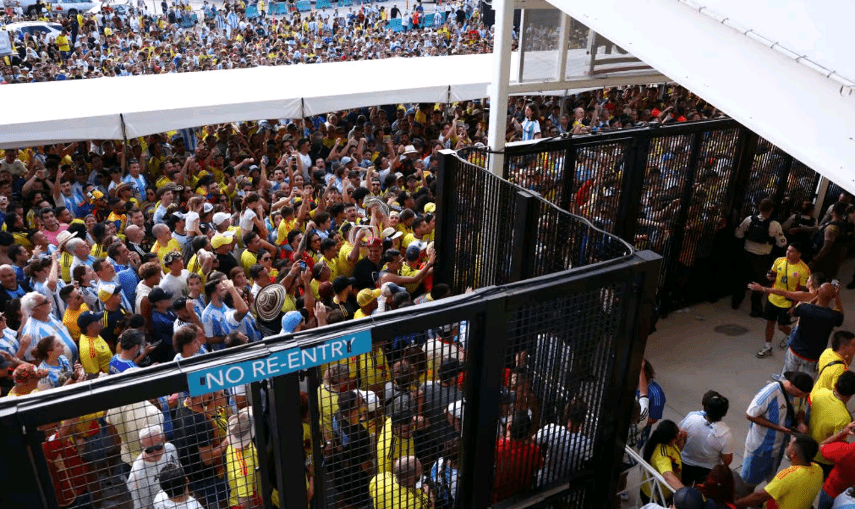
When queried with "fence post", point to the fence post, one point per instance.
{"points": [[638, 308], [486, 349], [446, 221], [263, 434], [287, 435], [320, 498], [742, 174], [632, 186], [565, 201], [523, 257]]}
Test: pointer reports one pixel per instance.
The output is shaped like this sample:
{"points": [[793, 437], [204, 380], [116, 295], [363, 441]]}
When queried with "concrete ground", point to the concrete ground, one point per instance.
{"points": [[691, 357]]}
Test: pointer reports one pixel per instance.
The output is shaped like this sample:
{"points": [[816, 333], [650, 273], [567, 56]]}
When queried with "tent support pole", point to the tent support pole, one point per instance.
{"points": [[499, 87]]}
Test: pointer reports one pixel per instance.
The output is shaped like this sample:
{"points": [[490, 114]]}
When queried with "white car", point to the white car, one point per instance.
{"points": [[34, 28], [72, 7]]}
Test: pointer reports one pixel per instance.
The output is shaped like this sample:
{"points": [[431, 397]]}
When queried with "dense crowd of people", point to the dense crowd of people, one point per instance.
{"points": [[142, 42], [116, 256]]}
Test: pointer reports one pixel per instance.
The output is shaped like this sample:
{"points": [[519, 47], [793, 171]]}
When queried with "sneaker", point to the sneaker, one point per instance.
{"points": [[777, 377], [784, 341], [765, 352]]}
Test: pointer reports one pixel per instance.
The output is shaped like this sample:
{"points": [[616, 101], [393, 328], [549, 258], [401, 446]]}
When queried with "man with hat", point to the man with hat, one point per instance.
{"points": [[222, 244], [113, 315], [95, 354], [367, 300], [174, 282], [162, 324], [26, 378], [774, 417], [166, 194], [242, 461], [268, 308]]}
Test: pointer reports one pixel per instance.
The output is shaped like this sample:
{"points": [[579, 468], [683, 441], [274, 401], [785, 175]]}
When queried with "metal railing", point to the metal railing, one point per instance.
{"points": [[679, 190], [647, 475]]}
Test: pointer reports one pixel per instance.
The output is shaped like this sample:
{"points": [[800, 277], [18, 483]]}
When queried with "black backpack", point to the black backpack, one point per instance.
{"points": [[758, 230], [844, 234]]}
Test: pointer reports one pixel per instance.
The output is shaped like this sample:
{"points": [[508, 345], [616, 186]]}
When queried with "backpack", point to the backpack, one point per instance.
{"points": [[817, 240], [758, 230]]}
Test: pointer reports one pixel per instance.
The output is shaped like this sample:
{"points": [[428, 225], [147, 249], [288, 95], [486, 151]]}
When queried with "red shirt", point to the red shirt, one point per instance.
{"points": [[842, 476], [70, 475], [516, 463]]}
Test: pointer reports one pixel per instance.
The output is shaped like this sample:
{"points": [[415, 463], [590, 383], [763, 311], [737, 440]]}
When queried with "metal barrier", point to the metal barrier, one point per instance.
{"points": [[534, 378], [494, 232], [679, 190]]}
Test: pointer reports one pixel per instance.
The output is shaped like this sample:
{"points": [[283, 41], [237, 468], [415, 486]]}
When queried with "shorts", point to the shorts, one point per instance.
{"points": [[773, 313], [758, 467]]}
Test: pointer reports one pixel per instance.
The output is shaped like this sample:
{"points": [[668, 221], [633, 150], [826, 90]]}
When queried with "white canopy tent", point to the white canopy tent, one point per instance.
{"points": [[61, 111], [783, 69], [64, 111]]}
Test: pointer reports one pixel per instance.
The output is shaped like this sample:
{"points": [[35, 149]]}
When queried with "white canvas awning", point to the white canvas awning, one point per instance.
{"points": [[62, 111], [726, 52]]}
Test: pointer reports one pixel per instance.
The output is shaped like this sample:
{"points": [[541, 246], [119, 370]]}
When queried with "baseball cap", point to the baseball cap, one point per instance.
{"points": [[374, 241], [455, 409], [158, 294], [87, 318], [345, 160], [364, 297], [690, 498], [207, 207], [179, 216], [413, 252], [370, 399], [220, 217], [180, 303], [221, 239], [26, 372], [108, 290]]}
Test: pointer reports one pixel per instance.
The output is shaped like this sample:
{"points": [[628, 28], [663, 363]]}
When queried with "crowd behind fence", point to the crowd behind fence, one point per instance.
{"points": [[535, 377], [679, 190]]}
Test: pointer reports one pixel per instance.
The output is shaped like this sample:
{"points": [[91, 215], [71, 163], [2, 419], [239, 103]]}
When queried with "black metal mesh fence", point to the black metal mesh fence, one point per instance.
{"points": [[554, 382], [391, 422], [141, 454], [675, 189]]}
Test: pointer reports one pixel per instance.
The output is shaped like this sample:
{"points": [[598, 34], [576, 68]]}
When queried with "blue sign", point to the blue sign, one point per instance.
{"points": [[278, 364]]}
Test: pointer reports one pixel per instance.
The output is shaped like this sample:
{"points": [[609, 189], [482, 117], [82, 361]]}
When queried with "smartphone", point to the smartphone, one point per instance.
{"points": [[302, 265]]}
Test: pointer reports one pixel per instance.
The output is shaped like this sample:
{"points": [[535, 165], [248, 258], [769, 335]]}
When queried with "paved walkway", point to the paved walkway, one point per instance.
{"points": [[691, 357]]}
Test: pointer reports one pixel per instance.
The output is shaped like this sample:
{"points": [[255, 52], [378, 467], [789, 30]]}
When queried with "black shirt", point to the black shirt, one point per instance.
{"points": [[192, 430], [227, 263], [366, 273], [815, 325]]}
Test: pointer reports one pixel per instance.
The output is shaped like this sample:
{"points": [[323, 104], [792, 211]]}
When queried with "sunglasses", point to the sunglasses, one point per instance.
{"points": [[149, 450]]}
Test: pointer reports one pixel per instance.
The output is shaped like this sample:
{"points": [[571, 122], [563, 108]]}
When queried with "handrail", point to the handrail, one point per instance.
{"points": [[653, 478]]}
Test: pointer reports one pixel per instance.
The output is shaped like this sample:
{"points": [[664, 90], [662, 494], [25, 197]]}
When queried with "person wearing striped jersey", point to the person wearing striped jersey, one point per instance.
{"points": [[218, 318], [773, 418], [42, 323]]}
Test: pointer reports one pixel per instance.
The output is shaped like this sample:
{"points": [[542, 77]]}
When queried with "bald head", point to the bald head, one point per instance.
{"points": [[407, 471], [826, 294], [134, 233]]}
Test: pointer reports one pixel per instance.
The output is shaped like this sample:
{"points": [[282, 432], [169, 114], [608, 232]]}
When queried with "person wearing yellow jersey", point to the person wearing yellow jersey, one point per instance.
{"points": [[828, 413], [74, 307], [348, 254], [795, 487], [835, 361], [662, 452], [64, 44], [789, 273], [329, 256], [367, 300], [242, 461], [95, 354], [396, 438], [397, 488], [164, 243], [336, 381]]}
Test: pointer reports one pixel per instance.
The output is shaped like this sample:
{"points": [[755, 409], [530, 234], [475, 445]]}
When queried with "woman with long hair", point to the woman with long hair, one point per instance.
{"points": [[662, 452], [48, 351]]}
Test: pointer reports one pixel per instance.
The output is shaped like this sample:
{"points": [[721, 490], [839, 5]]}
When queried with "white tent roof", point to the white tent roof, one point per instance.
{"points": [[62, 111], [710, 49]]}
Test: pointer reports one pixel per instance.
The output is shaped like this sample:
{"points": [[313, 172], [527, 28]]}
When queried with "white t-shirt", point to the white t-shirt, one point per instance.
{"points": [[565, 452], [246, 218], [129, 420], [191, 221], [144, 479], [175, 285], [161, 501], [706, 441]]}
